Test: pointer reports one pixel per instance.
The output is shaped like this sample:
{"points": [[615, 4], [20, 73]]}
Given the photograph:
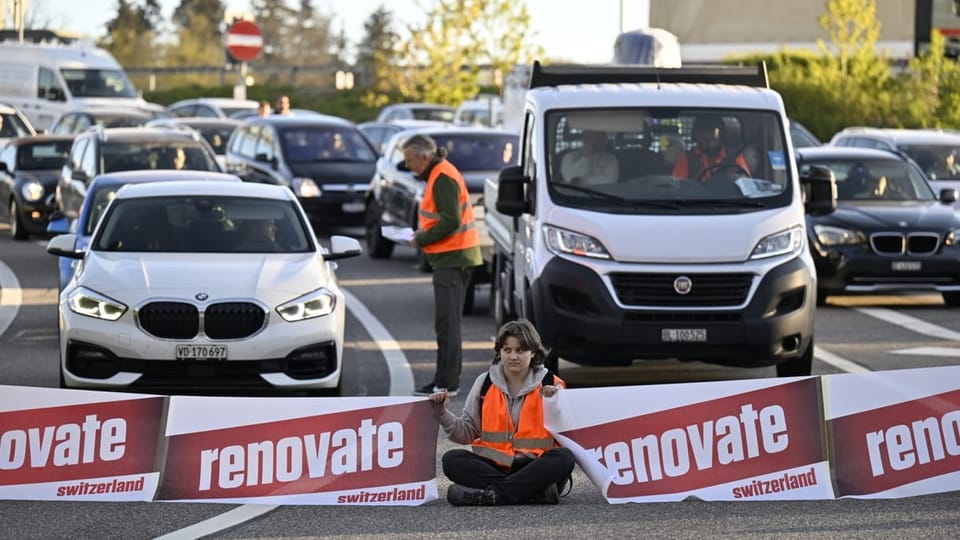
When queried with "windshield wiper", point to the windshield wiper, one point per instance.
{"points": [[722, 202], [620, 200]]}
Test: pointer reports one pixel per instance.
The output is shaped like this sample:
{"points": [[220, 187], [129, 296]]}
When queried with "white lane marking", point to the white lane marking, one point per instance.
{"points": [[224, 521], [911, 323], [838, 362], [930, 351], [401, 374], [10, 297]]}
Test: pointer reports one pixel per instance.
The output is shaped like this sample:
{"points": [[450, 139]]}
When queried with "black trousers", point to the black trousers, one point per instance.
{"points": [[449, 294], [515, 486]]}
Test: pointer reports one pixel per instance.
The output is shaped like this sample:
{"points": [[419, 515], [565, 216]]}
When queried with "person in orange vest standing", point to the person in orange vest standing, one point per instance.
{"points": [[514, 459], [448, 236]]}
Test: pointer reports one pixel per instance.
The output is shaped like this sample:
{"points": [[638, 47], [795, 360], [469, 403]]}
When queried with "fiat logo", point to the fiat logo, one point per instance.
{"points": [[201, 296], [683, 285]]}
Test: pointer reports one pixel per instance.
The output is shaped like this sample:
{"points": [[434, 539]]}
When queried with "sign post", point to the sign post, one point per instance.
{"points": [[244, 42]]}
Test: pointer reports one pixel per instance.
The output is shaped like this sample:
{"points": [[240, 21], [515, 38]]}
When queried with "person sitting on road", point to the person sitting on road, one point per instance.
{"points": [[515, 460], [709, 155], [591, 163]]}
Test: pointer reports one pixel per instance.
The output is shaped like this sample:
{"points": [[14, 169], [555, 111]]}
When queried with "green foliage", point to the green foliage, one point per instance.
{"points": [[850, 84]]}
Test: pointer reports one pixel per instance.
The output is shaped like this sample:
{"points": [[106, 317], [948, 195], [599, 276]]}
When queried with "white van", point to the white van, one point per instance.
{"points": [[46, 79], [632, 256]]}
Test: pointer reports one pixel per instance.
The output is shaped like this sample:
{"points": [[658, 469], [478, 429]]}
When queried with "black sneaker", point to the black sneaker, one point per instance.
{"points": [[458, 495], [550, 495], [432, 389]]}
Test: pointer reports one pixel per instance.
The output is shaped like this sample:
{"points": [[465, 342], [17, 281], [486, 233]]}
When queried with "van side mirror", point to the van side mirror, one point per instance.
{"points": [[80, 175], [402, 166], [948, 195], [3, 167], [511, 189], [820, 191], [54, 94]]}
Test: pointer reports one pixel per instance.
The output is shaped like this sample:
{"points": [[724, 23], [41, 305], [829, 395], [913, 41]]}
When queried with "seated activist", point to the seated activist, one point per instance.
{"points": [[514, 459], [591, 163], [708, 156]]}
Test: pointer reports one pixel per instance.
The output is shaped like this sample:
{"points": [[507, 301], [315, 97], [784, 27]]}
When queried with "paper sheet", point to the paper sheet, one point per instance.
{"points": [[396, 234]]}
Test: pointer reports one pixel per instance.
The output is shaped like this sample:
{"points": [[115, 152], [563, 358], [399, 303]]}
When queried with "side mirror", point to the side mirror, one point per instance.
{"points": [[511, 184], [342, 247], [3, 167], [64, 245], [57, 223], [948, 195], [820, 188], [402, 166], [54, 94], [79, 175]]}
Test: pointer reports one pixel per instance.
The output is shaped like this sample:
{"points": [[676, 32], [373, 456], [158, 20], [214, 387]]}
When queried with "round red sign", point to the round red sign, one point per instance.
{"points": [[244, 41]]}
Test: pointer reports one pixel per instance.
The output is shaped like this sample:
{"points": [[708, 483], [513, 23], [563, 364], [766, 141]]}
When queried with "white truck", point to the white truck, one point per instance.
{"points": [[706, 264]]}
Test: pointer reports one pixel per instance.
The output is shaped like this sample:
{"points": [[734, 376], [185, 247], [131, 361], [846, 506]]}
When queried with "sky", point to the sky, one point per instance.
{"points": [[574, 30]]}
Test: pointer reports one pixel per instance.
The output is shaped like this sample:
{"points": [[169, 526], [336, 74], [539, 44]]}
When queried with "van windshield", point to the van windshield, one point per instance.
{"points": [[668, 160], [111, 83]]}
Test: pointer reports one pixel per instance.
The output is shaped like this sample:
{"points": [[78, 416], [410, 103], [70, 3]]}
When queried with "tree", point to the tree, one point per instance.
{"points": [[299, 37], [441, 61], [376, 53], [199, 28], [132, 34]]}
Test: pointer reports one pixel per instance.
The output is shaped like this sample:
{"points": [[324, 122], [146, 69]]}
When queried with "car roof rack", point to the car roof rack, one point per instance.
{"points": [[557, 74], [40, 36]]}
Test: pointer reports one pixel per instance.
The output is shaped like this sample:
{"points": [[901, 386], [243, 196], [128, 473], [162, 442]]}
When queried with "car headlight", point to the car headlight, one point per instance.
{"points": [[571, 243], [781, 243], [953, 238], [32, 191], [83, 301], [306, 187], [313, 304], [828, 235]]}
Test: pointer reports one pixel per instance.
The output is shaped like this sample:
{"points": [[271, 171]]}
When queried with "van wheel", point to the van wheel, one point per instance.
{"points": [[378, 247], [798, 367], [951, 299], [16, 226], [822, 297], [470, 297]]}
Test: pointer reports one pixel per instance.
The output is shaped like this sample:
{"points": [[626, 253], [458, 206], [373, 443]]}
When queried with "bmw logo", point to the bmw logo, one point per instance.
{"points": [[201, 296], [683, 285]]}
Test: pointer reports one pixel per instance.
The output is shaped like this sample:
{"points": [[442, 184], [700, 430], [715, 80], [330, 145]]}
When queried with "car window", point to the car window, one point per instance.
{"points": [[98, 83], [938, 161], [8, 157], [205, 111], [88, 163], [82, 123], [48, 87], [478, 152], [133, 156], [98, 204], [43, 155], [64, 125], [248, 145], [310, 144], [76, 152], [183, 110], [13, 126], [435, 115], [217, 137], [266, 146], [875, 179], [191, 224]]}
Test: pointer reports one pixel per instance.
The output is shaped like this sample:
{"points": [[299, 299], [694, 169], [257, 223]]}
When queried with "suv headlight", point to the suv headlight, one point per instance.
{"points": [[305, 187], [953, 238], [828, 235], [32, 191], [571, 243], [781, 243], [83, 301], [313, 304]]}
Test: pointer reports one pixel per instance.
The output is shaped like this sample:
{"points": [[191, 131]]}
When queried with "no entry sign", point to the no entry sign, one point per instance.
{"points": [[244, 41]]}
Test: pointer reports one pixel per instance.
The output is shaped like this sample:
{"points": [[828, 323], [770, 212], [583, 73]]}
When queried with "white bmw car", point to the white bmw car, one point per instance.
{"points": [[203, 285]]}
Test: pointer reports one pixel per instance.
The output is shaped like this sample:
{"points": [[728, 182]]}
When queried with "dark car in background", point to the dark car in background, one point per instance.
{"points": [[890, 232], [74, 122], [324, 160], [29, 168], [103, 150], [395, 193]]}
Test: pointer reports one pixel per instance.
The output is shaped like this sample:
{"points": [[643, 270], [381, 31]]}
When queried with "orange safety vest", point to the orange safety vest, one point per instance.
{"points": [[500, 440], [466, 235]]}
